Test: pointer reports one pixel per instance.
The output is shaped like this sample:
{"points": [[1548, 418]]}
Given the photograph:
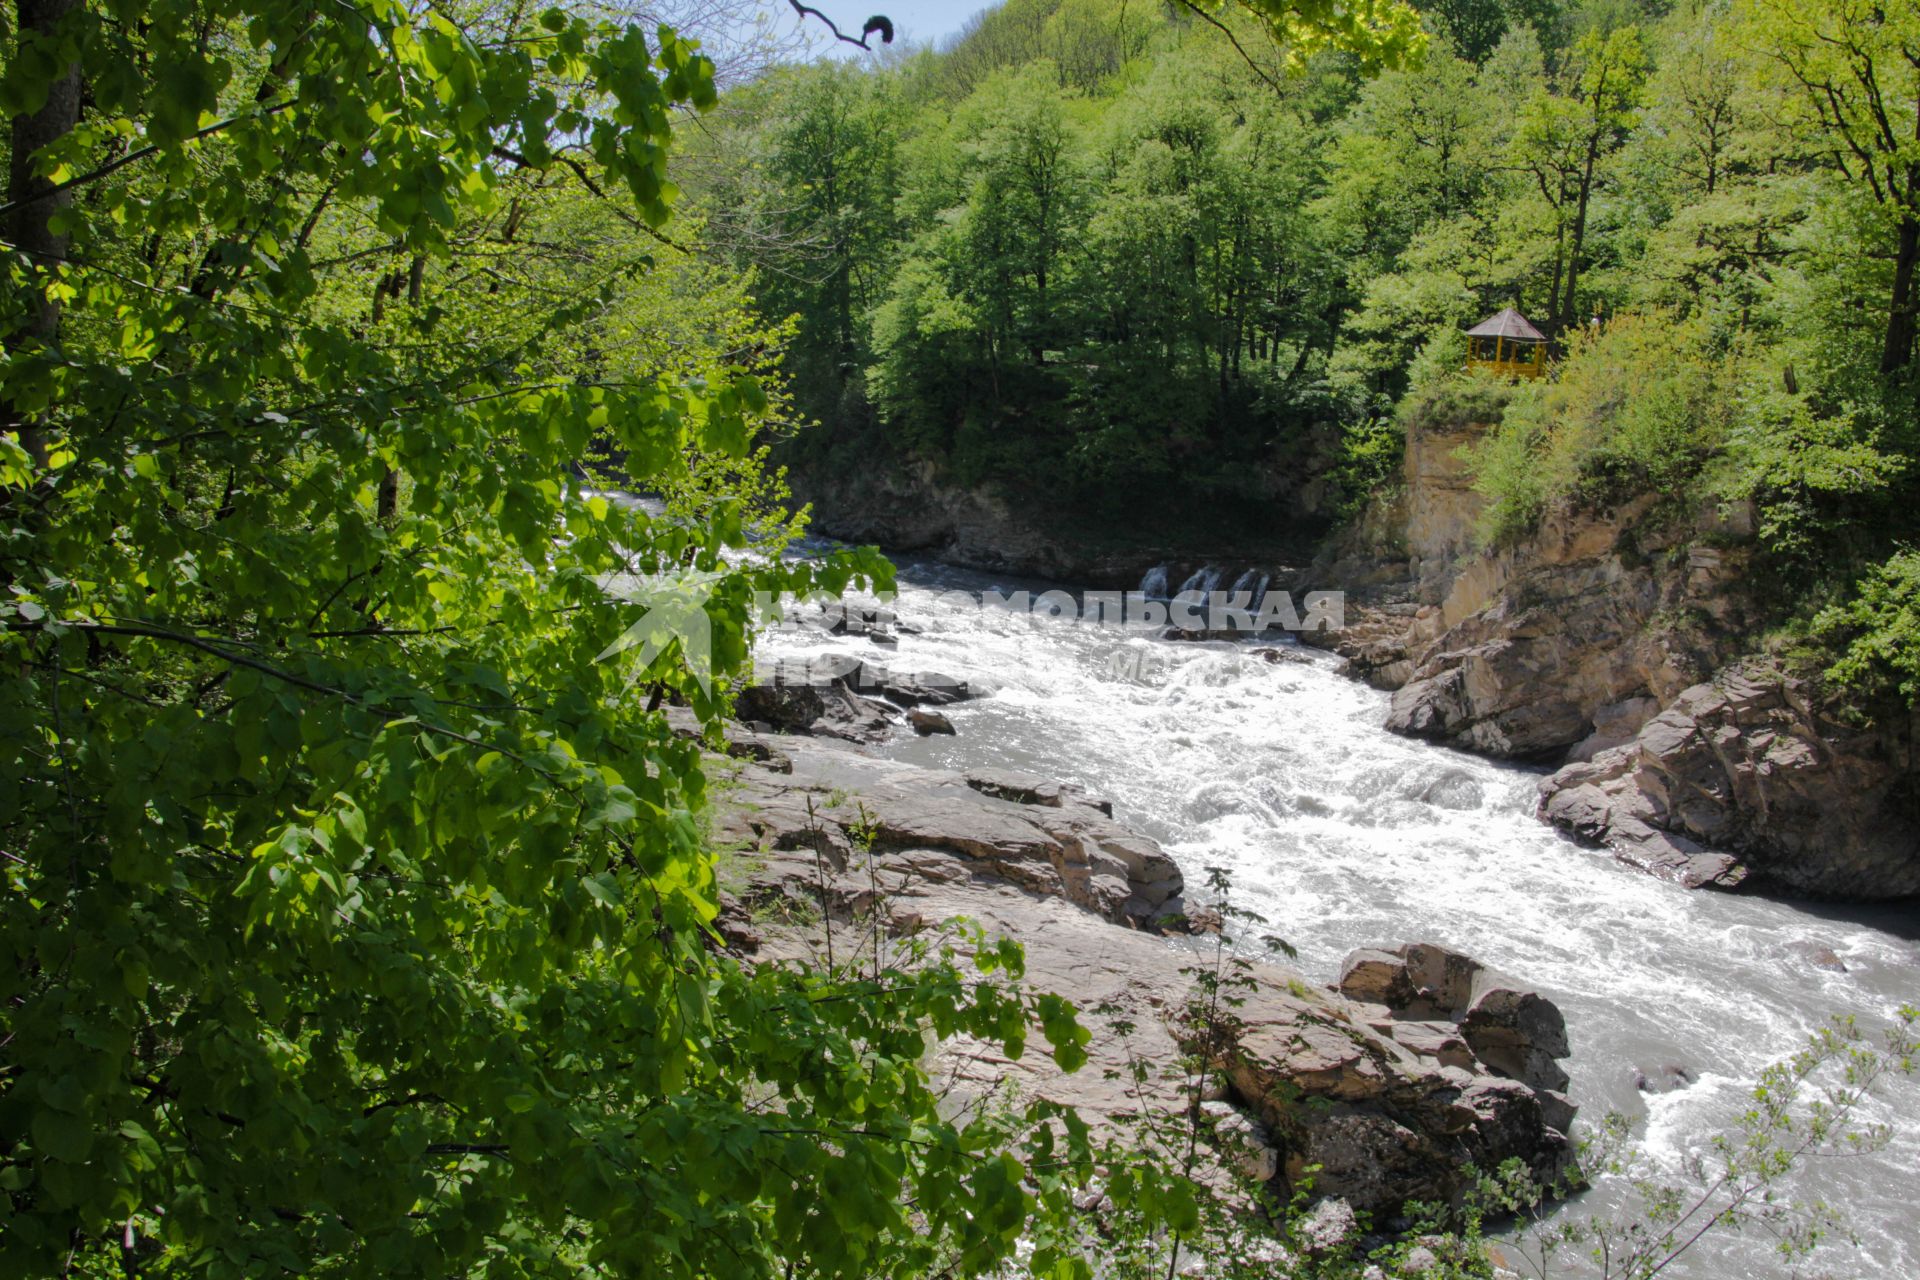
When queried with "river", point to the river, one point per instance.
{"points": [[1342, 835]]}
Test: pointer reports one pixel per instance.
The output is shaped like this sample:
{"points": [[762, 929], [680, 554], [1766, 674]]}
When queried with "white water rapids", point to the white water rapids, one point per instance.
{"points": [[1343, 835]]}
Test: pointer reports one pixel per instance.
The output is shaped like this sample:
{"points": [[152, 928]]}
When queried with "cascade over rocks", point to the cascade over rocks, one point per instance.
{"points": [[1309, 1077], [834, 699]]}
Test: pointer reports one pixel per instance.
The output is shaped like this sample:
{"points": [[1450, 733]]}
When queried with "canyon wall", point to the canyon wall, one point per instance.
{"points": [[1618, 645]]}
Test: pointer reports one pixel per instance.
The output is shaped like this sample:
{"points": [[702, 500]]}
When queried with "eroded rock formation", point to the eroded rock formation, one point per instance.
{"points": [[1309, 1077], [1609, 643], [1748, 762]]}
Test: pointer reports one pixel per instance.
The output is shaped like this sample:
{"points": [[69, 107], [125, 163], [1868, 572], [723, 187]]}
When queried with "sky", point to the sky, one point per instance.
{"points": [[915, 20]]}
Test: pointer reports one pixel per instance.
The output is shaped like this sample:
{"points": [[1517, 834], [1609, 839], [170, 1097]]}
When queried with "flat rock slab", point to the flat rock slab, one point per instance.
{"points": [[1310, 1077]]}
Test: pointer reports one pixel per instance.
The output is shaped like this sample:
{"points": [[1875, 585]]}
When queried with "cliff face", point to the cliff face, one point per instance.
{"points": [[1610, 643], [1567, 644], [911, 506]]}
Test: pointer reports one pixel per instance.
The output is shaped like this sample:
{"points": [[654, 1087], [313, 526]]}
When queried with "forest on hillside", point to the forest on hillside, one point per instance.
{"points": [[359, 890], [1130, 262]]}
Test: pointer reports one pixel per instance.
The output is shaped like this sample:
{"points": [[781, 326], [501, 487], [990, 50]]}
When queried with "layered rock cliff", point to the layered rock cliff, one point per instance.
{"points": [[1615, 643]]}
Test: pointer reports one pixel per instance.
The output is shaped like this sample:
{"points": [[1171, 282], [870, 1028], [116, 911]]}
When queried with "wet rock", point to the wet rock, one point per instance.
{"points": [[844, 618], [1820, 957], [1748, 763], [784, 708], [913, 689], [1276, 655], [1663, 1079], [926, 722], [797, 702], [1454, 791]]}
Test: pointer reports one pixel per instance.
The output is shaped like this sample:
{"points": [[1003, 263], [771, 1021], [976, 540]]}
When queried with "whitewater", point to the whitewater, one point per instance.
{"points": [[1276, 768]]}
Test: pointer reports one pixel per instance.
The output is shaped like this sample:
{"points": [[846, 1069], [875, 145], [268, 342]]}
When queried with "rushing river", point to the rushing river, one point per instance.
{"points": [[1342, 835]]}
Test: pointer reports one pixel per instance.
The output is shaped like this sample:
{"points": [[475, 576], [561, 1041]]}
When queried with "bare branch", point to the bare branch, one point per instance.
{"points": [[877, 24]]}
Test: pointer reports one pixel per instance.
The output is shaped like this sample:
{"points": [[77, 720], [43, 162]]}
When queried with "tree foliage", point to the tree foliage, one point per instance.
{"points": [[357, 914]]}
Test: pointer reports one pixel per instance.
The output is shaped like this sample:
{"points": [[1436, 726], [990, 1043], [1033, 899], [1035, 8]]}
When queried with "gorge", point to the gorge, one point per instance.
{"points": [[1343, 835]]}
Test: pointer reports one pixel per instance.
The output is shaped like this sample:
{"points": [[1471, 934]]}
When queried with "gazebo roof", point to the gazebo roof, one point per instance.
{"points": [[1508, 324]]}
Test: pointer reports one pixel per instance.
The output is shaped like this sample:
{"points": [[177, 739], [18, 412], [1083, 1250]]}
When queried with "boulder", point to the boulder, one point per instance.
{"points": [[1668, 1078], [1819, 956], [792, 701], [1517, 1033], [1376, 977], [1741, 777], [1454, 790], [926, 722], [1416, 980], [912, 688], [1449, 1008]]}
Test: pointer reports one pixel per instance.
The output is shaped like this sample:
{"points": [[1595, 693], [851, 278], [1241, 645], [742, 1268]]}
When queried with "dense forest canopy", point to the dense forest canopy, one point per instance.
{"points": [[1121, 259]]}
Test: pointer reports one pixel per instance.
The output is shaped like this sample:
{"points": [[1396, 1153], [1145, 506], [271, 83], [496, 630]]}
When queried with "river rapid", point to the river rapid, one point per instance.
{"points": [[1343, 835]]}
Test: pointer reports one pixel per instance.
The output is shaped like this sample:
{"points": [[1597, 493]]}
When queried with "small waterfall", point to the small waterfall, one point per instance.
{"points": [[1204, 579], [1253, 585], [1198, 590], [1154, 585]]}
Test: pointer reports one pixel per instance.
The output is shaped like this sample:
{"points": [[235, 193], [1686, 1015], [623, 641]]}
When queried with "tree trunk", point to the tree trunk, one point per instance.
{"points": [[1559, 265], [35, 202], [1569, 301], [1898, 353]]}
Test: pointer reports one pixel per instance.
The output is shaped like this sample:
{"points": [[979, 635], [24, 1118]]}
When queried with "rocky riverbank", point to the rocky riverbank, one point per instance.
{"points": [[1392, 1087], [1612, 646]]}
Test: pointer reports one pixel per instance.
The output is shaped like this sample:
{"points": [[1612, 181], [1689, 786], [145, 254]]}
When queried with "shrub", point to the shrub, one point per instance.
{"points": [[1880, 631], [1636, 407]]}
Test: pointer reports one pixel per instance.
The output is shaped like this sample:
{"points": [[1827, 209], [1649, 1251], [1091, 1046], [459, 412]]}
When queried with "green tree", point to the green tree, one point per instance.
{"points": [[834, 155], [1562, 141], [1854, 67], [357, 917]]}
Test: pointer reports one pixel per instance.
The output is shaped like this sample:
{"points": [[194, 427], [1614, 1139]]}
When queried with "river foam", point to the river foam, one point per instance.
{"points": [[1342, 835]]}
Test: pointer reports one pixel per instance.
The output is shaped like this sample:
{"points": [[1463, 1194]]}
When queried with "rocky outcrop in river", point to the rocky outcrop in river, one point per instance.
{"points": [[1749, 762], [1608, 644], [1388, 1107]]}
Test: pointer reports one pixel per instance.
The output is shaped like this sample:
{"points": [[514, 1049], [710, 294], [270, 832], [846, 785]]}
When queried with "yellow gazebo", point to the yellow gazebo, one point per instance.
{"points": [[1507, 344]]}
